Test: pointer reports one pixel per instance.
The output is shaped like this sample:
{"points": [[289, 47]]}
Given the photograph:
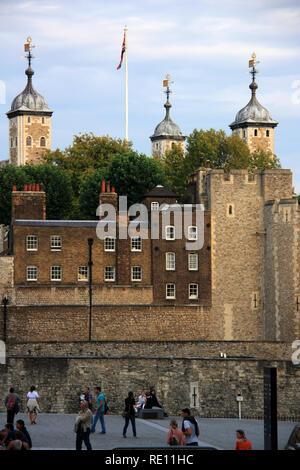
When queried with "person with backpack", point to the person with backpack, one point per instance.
{"points": [[12, 400], [190, 428], [175, 436]]}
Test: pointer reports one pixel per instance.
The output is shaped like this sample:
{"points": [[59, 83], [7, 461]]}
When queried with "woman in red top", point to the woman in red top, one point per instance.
{"points": [[242, 442], [176, 433]]}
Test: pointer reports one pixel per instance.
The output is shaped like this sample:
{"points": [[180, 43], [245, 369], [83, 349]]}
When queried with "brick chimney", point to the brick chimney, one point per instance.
{"points": [[28, 204], [108, 196]]}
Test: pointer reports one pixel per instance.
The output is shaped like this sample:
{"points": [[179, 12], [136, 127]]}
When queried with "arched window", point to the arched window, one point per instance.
{"points": [[28, 141], [43, 142]]}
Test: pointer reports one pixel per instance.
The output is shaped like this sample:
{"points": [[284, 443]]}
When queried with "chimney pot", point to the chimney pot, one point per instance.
{"points": [[37, 187], [108, 186], [14, 188], [103, 186], [113, 189], [25, 187]]}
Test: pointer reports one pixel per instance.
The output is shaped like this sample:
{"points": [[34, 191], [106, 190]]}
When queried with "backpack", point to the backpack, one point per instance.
{"points": [[11, 403], [174, 440], [106, 408]]}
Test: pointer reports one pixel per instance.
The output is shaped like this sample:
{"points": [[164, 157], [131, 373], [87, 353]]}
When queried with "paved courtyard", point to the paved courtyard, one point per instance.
{"points": [[55, 431]]}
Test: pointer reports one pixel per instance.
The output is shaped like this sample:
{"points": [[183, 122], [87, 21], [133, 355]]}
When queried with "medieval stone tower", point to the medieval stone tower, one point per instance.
{"points": [[253, 123], [167, 133], [29, 122]]}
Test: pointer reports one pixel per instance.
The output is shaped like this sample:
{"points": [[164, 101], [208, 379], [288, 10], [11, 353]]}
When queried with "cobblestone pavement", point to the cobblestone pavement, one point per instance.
{"points": [[55, 431]]}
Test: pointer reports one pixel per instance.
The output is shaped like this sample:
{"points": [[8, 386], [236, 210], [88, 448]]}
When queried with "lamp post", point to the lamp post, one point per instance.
{"points": [[90, 242], [4, 302]]}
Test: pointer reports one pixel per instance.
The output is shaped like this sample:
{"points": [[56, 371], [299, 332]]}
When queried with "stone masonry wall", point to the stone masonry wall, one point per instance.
{"points": [[182, 372]]}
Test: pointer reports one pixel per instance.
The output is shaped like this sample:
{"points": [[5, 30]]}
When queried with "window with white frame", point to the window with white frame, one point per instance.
{"points": [[109, 273], [136, 244], [56, 243], [192, 232], [154, 206], [193, 261], [170, 232], [31, 243], [170, 261], [170, 291], [109, 244], [56, 273], [193, 291], [32, 273], [136, 273], [83, 273]]}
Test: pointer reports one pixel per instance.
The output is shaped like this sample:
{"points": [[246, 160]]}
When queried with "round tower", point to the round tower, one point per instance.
{"points": [[167, 133], [253, 123], [29, 121]]}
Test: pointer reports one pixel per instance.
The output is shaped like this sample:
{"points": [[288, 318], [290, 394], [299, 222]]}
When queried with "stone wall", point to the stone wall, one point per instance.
{"points": [[109, 322], [181, 371]]}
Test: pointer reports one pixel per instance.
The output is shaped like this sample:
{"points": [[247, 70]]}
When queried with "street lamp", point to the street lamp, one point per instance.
{"points": [[90, 242], [4, 302]]}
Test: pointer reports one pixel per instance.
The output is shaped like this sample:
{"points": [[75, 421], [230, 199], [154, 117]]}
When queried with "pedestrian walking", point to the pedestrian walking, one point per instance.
{"points": [[129, 413], [190, 428], [175, 436], [12, 400], [20, 425], [33, 404], [99, 412], [82, 426], [242, 443]]}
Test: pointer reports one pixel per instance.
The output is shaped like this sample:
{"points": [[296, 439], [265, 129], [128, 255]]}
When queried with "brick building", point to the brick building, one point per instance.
{"points": [[130, 312]]}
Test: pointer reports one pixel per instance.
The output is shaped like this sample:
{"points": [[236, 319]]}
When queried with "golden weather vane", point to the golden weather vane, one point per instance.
{"points": [[252, 64], [28, 48]]}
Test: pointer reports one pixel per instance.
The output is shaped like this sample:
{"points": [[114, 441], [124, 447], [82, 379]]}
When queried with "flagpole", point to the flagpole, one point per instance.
{"points": [[126, 85]]}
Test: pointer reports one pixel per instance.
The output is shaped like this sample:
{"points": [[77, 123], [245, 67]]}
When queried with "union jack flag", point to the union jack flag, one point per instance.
{"points": [[122, 53]]}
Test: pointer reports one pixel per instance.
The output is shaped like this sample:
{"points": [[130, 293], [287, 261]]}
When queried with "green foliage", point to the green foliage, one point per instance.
{"points": [[86, 154], [9, 176], [56, 184], [134, 174], [206, 145], [89, 194], [58, 188], [174, 163], [261, 160]]}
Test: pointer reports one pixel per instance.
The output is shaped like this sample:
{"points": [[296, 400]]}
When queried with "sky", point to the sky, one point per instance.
{"points": [[204, 45]]}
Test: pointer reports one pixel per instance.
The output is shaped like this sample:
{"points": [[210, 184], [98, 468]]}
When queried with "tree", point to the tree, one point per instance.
{"points": [[56, 184], [89, 194], [133, 174], [206, 145], [87, 153], [9, 176], [58, 188], [175, 166], [260, 160]]}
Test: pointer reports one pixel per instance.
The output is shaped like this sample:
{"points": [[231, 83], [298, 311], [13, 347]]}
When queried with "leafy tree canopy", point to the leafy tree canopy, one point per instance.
{"points": [[87, 153], [56, 184]]}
